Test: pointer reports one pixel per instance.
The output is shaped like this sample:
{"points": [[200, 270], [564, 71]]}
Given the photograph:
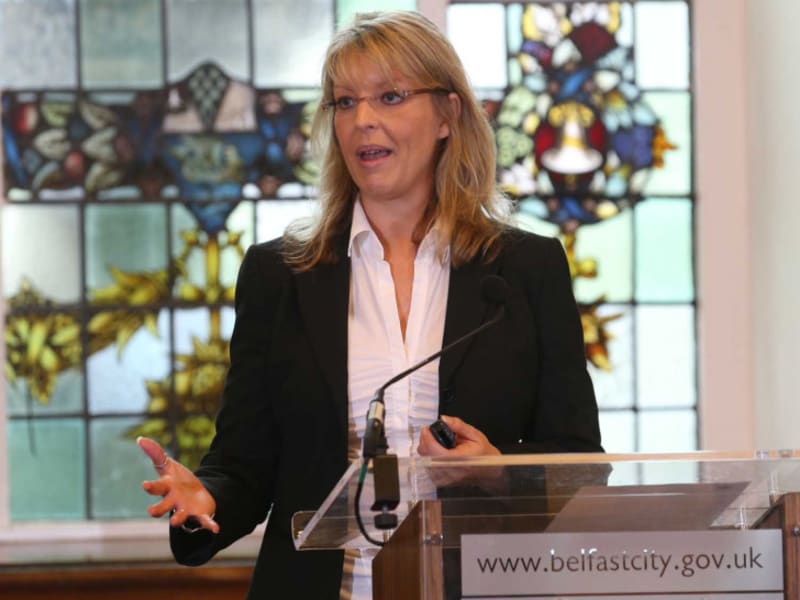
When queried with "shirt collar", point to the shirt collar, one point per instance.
{"points": [[361, 231]]}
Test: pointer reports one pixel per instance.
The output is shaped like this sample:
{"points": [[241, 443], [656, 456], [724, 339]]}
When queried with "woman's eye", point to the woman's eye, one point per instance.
{"points": [[392, 97], [345, 102]]}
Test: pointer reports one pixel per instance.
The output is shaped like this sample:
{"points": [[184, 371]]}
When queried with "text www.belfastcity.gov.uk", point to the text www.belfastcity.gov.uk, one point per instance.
{"points": [[648, 560]]}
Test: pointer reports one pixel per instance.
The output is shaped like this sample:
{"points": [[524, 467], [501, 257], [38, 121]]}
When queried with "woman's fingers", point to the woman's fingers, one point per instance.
{"points": [[161, 508], [154, 451]]}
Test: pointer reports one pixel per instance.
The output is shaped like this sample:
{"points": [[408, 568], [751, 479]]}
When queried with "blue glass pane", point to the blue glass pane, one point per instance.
{"points": [[47, 469]]}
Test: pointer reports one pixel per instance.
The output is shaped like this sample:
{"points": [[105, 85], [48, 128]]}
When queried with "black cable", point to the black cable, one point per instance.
{"points": [[360, 487]]}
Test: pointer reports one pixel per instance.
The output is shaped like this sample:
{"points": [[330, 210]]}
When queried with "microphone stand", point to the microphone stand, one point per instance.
{"points": [[386, 478]]}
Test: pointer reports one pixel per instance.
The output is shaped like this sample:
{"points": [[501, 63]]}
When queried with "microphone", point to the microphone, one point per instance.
{"points": [[494, 290], [386, 481]]}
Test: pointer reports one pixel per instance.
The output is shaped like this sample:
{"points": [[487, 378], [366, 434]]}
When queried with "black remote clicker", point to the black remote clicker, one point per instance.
{"points": [[443, 434]]}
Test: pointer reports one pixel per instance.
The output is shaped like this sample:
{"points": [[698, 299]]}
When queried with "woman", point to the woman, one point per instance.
{"points": [[410, 225]]}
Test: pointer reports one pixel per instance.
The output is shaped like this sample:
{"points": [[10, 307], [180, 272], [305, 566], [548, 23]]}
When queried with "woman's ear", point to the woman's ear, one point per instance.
{"points": [[455, 106]]}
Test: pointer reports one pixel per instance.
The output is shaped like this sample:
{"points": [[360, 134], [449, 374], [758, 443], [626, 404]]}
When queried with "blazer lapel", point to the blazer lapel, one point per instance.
{"points": [[466, 310], [323, 296]]}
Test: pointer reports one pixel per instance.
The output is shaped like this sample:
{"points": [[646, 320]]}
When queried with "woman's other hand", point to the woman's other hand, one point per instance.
{"points": [[181, 492], [469, 441]]}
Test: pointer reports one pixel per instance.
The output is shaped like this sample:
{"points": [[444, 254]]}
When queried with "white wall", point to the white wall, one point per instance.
{"points": [[724, 247], [774, 131]]}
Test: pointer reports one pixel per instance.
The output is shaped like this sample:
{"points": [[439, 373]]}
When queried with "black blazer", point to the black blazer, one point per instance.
{"points": [[281, 437]]}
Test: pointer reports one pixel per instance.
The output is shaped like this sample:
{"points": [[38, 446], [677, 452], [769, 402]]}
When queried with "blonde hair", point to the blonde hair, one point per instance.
{"points": [[466, 205]]}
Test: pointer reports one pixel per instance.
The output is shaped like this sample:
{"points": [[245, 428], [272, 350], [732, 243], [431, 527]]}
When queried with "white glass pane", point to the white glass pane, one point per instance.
{"points": [[129, 237], [665, 351], [41, 243], [614, 388], [240, 221], [609, 243], [116, 379], [37, 44], [290, 41], [477, 32], [272, 216], [667, 431], [674, 110], [662, 45], [664, 251], [207, 30], [196, 323], [618, 432], [67, 396], [347, 9]]}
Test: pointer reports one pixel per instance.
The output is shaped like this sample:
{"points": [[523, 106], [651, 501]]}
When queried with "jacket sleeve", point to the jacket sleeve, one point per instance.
{"points": [[565, 416], [240, 466]]}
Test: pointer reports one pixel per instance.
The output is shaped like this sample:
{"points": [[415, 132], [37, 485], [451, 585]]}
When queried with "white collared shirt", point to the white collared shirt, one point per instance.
{"points": [[376, 351], [376, 348]]}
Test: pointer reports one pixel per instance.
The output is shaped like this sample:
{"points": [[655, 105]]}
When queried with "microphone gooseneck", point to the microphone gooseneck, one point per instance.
{"points": [[494, 291]]}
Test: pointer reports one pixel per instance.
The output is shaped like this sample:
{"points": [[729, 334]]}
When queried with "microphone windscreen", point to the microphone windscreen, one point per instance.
{"points": [[494, 289]]}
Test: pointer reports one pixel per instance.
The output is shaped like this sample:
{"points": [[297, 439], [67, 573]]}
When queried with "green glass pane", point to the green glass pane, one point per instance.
{"points": [[66, 398], [201, 254], [667, 431], [272, 216], [131, 239], [613, 387], [47, 469], [207, 30], [290, 41], [37, 44], [121, 43], [662, 45], [40, 245], [664, 251], [609, 244], [118, 469], [674, 111], [346, 9], [618, 431], [665, 354], [117, 376], [485, 62]]}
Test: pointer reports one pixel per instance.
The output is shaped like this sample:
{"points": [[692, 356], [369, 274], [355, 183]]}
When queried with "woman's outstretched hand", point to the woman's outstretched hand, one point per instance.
{"points": [[470, 441], [181, 492]]}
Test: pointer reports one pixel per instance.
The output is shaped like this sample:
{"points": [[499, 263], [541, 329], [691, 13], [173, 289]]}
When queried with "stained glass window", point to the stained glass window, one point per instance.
{"points": [[591, 105], [146, 144]]}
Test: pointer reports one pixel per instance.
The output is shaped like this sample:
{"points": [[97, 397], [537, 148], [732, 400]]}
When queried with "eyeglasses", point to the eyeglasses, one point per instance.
{"points": [[388, 99]]}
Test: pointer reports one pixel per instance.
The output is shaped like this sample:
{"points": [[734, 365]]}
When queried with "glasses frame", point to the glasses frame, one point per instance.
{"points": [[330, 105]]}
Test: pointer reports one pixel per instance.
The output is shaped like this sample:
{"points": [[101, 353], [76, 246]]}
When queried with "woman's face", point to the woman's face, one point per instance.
{"points": [[388, 141]]}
